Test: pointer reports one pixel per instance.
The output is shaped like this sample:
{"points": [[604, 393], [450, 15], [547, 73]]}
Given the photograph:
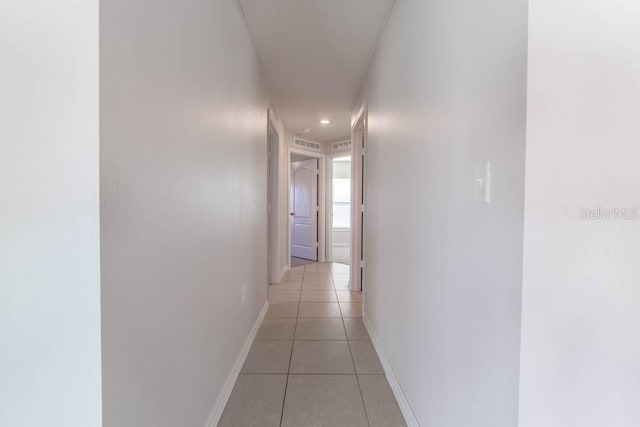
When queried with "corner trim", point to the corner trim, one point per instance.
{"points": [[283, 272], [218, 408], [403, 403]]}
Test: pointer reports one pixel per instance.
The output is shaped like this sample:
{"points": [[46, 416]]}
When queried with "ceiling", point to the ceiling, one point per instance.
{"points": [[315, 54]]}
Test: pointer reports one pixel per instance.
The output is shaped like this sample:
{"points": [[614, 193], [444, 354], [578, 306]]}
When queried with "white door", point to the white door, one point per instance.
{"points": [[304, 209]]}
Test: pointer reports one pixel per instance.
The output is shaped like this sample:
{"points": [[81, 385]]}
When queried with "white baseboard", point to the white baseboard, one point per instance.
{"points": [[403, 403], [216, 413]]}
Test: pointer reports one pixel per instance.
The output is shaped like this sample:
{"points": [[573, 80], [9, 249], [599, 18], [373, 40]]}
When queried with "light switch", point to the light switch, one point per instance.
{"points": [[482, 184]]}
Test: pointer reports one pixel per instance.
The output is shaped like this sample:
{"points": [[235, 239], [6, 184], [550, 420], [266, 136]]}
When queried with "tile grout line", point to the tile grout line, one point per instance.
{"points": [[293, 340], [364, 408], [347, 340]]}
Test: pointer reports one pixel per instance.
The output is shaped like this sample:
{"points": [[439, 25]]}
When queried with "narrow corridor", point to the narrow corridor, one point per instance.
{"points": [[312, 362]]}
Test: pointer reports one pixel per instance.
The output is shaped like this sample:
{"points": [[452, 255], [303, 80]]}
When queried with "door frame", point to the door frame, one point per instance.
{"points": [[322, 202], [309, 167], [359, 127], [273, 200]]}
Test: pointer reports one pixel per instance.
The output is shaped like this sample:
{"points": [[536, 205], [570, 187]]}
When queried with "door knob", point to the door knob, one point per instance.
{"points": [[292, 214]]}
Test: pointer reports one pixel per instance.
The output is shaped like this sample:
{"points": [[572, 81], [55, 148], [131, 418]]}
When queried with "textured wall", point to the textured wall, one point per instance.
{"points": [[446, 93], [183, 205], [580, 345], [49, 218]]}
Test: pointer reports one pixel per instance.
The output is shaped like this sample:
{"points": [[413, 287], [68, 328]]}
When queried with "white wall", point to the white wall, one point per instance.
{"points": [[446, 92], [184, 214], [49, 224], [580, 345]]}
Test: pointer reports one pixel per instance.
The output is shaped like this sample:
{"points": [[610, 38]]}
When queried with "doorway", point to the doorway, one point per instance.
{"points": [[306, 205], [305, 209], [341, 209]]}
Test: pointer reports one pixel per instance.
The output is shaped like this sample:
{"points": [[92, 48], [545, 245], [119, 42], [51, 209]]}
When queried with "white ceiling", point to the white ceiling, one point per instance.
{"points": [[315, 54]]}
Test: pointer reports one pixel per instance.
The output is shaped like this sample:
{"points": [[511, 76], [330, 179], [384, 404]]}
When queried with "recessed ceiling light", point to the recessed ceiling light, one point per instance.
{"points": [[325, 121], [306, 130]]}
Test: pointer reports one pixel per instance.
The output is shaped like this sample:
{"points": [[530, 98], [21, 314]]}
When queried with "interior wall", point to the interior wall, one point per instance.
{"points": [[183, 162], [49, 221], [446, 92], [580, 346]]}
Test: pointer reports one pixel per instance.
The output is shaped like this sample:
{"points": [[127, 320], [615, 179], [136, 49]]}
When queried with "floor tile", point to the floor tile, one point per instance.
{"points": [[313, 270], [320, 329], [286, 309], [268, 357], [293, 277], [317, 286], [341, 284], [277, 329], [365, 358], [317, 276], [340, 268], [379, 402], [319, 309], [287, 286], [340, 274], [347, 296], [299, 262], [351, 309], [277, 297], [323, 400], [317, 267], [318, 296], [321, 357], [294, 273], [356, 330], [256, 400]]}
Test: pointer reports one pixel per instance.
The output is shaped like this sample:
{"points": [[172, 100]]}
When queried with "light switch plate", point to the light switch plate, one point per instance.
{"points": [[482, 184]]}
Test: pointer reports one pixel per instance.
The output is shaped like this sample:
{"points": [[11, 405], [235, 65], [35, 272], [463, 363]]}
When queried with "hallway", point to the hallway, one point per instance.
{"points": [[474, 162], [312, 362]]}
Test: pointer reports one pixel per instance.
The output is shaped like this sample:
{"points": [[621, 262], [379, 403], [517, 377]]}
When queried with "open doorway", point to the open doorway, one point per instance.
{"points": [[341, 209], [305, 209]]}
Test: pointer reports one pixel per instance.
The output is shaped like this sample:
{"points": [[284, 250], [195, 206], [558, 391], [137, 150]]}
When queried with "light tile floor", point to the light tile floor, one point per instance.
{"points": [[312, 363]]}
